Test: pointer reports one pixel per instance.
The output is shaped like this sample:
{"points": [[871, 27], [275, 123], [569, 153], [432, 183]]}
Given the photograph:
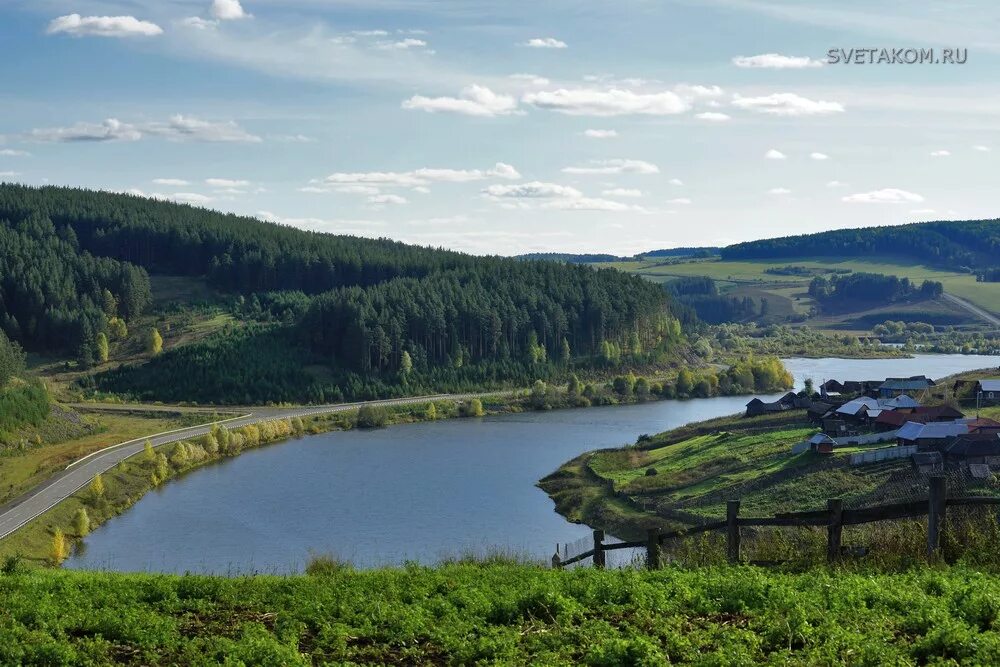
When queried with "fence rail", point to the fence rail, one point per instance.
{"points": [[834, 517]]}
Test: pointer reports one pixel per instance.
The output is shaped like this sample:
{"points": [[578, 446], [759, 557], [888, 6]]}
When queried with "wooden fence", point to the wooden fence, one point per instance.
{"points": [[834, 517]]}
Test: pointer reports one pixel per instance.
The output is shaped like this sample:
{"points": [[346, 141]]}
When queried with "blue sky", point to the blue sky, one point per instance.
{"points": [[506, 127]]}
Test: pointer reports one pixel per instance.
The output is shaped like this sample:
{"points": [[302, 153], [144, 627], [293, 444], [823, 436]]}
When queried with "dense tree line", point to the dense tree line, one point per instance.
{"points": [[12, 359], [491, 313], [53, 296], [854, 288], [970, 244], [989, 276], [701, 294]]}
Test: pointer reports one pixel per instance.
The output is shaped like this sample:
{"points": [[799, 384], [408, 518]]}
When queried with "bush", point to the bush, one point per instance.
{"points": [[372, 416]]}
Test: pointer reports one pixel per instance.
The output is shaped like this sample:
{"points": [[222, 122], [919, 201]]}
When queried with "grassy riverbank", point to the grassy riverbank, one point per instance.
{"points": [[504, 613]]}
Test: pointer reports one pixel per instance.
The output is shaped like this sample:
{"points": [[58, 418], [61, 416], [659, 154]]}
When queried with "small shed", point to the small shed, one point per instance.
{"points": [[928, 462], [821, 443]]}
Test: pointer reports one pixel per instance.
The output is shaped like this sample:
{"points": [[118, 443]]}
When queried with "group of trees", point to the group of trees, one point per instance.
{"points": [[989, 276], [864, 288], [55, 296], [701, 294], [971, 244], [378, 314]]}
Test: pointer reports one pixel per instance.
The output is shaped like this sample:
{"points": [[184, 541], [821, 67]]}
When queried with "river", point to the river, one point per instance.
{"points": [[418, 492]]}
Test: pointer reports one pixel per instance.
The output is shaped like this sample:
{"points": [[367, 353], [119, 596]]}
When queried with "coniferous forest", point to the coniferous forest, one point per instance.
{"points": [[337, 316]]}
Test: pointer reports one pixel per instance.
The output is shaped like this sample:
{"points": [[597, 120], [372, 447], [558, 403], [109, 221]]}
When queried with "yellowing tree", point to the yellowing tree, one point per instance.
{"points": [[102, 347], [81, 522], [154, 344], [148, 451], [59, 549], [405, 363], [97, 485], [118, 329]]}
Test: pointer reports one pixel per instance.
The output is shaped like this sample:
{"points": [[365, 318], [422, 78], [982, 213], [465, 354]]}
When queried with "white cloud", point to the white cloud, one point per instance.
{"points": [[776, 61], [616, 166], [504, 170], [786, 104], [382, 200], [186, 197], [172, 182], [370, 33], [11, 152], [531, 190], [940, 153], [819, 156], [589, 204], [531, 79], [836, 184], [622, 192], [613, 102], [9, 174], [779, 191], [600, 134], [402, 45], [922, 211], [226, 183], [712, 116], [675, 181], [884, 196], [418, 177], [981, 148], [198, 23], [775, 154], [679, 200], [228, 10], [176, 128], [545, 43], [474, 100], [103, 26]]}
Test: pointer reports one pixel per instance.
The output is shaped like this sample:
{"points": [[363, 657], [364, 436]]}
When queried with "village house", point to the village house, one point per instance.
{"points": [[987, 391], [896, 386], [935, 436], [789, 401], [981, 447]]}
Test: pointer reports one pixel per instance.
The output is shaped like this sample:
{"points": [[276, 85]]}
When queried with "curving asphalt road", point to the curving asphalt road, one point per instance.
{"points": [[78, 474], [975, 310]]}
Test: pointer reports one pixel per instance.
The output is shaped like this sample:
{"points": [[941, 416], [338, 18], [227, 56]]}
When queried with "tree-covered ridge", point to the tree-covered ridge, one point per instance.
{"points": [[970, 244], [489, 313], [53, 296], [236, 253], [866, 288]]}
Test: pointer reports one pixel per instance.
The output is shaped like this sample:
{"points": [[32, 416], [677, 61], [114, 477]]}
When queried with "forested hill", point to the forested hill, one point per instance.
{"points": [[75, 269], [235, 252], [972, 244]]}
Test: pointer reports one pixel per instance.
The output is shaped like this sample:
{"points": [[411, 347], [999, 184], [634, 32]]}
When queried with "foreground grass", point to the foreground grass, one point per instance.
{"points": [[508, 614]]}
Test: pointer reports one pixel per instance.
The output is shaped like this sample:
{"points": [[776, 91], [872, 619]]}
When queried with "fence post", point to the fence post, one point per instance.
{"points": [[835, 529], [599, 549], [935, 513], [733, 531], [652, 550]]}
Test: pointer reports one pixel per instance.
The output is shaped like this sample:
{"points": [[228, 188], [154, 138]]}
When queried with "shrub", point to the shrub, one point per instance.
{"points": [[372, 416], [81, 522]]}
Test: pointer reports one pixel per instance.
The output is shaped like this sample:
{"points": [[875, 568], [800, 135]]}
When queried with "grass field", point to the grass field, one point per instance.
{"points": [[504, 613], [23, 470], [752, 273]]}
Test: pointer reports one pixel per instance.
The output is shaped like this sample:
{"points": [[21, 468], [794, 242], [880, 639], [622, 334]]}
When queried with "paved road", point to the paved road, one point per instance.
{"points": [[975, 310], [79, 473]]}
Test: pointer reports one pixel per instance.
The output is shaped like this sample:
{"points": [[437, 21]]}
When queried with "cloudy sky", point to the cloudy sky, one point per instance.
{"points": [[509, 126]]}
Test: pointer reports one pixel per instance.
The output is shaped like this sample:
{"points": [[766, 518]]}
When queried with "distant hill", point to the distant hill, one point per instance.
{"points": [[598, 258], [585, 258], [706, 251], [971, 245]]}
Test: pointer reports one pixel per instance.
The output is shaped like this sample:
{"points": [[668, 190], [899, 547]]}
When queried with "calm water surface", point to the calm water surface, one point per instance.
{"points": [[414, 492]]}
